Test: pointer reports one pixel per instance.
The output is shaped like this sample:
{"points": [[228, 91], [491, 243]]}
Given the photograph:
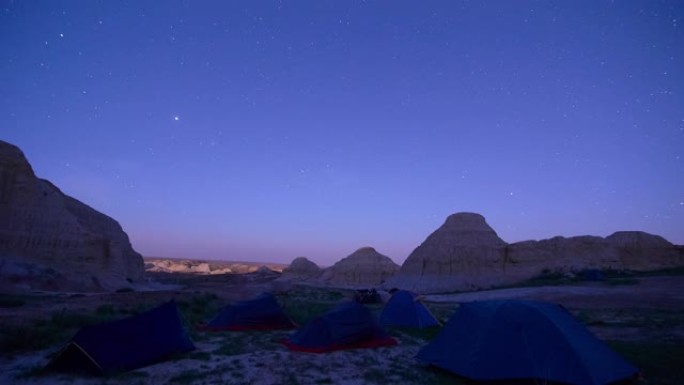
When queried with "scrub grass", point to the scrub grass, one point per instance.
{"points": [[43, 333], [660, 363]]}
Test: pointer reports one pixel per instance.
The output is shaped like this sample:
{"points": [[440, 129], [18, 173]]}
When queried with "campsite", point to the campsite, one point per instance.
{"points": [[342, 192], [641, 320]]}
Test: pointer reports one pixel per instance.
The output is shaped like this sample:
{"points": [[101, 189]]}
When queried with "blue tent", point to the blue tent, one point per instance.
{"points": [[405, 310], [509, 340], [259, 313], [125, 344], [349, 325]]}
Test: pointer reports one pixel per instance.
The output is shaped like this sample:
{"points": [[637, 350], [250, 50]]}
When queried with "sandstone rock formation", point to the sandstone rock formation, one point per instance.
{"points": [[466, 254], [50, 241], [623, 250], [461, 254], [301, 269], [365, 266]]}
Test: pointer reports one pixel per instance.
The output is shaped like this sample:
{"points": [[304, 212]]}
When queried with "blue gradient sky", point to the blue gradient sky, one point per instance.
{"points": [[261, 130]]}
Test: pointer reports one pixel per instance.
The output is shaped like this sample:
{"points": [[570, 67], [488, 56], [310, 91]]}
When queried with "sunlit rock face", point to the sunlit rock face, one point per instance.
{"points": [[50, 241], [301, 268], [466, 254], [462, 254], [365, 266]]}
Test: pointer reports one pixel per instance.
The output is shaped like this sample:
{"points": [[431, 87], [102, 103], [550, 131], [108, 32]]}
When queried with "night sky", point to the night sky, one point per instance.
{"points": [[260, 130]]}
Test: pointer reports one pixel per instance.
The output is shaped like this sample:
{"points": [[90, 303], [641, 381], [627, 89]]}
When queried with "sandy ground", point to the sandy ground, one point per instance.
{"points": [[261, 359]]}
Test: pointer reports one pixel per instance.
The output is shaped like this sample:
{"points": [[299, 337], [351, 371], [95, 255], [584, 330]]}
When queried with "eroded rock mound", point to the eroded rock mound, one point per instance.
{"points": [[461, 254], [365, 266], [466, 254], [301, 268], [50, 241]]}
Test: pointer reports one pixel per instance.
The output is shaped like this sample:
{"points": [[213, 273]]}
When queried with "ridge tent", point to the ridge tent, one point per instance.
{"points": [[259, 313], [523, 340], [349, 325], [125, 344], [404, 309]]}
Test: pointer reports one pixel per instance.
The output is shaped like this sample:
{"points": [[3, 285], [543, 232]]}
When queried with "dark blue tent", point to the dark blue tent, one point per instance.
{"points": [[509, 340], [259, 313], [125, 344], [405, 310], [349, 325]]}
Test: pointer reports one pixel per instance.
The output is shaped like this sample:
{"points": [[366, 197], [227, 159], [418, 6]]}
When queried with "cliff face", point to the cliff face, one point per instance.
{"points": [[50, 241], [466, 254]]}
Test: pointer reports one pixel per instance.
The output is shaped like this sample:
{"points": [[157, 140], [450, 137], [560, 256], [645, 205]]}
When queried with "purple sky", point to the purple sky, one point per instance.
{"points": [[259, 130]]}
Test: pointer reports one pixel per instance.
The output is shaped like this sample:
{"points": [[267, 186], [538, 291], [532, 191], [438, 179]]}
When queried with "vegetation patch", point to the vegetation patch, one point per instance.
{"points": [[660, 363], [187, 377], [9, 300]]}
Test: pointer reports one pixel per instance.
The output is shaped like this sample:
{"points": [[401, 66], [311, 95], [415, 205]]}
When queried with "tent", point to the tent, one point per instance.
{"points": [[523, 340], [405, 310], [349, 325], [125, 344], [259, 313]]}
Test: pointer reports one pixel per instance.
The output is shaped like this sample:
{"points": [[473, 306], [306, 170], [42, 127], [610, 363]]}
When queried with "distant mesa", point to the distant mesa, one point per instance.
{"points": [[50, 241], [365, 266], [465, 253]]}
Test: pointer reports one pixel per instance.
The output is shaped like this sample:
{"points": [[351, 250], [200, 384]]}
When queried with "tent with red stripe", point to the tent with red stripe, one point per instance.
{"points": [[349, 325]]}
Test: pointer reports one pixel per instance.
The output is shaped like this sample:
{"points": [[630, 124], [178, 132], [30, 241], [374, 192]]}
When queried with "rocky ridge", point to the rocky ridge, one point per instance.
{"points": [[465, 253], [212, 267]]}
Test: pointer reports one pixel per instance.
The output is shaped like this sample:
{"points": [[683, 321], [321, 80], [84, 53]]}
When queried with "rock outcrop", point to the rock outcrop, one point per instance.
{"points": [[363, 267], [461, 254], [623, 250], [466, 254], [301, 269], [50, 241], [208, 267]]}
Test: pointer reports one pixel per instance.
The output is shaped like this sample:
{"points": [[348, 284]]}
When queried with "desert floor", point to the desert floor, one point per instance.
{"points": [[643, 319]]}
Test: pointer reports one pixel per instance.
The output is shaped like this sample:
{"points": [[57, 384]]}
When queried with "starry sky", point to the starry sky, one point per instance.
{"points": [[266, 130]]}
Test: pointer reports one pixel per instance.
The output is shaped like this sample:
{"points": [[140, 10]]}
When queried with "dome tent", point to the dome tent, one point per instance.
{"points": [[404, 309], [260, 313], [523, 340], [349, 325]]}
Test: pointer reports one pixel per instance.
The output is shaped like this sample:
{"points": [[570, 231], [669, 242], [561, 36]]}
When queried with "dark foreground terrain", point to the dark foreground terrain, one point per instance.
{"points": [[642, 318]]}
